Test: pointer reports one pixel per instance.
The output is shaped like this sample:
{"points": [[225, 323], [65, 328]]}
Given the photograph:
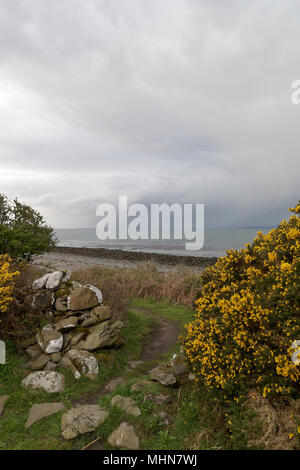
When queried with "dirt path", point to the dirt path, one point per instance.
{"points": [[161, 339]]}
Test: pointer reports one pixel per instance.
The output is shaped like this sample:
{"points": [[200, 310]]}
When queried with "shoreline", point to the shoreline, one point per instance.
{"points": [[137, 256]]}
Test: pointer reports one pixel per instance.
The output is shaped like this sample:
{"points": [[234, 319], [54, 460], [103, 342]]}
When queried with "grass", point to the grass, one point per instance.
{"points": [[197, 418]]}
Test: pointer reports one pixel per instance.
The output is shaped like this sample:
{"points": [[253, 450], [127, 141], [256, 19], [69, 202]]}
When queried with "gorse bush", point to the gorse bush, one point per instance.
{"points": [[23, 231], [7, 280], [248, 316]]}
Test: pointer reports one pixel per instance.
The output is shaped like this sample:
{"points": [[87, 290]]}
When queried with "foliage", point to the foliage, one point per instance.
{"points": [[7, 279], [249, 315], [23, 231]]}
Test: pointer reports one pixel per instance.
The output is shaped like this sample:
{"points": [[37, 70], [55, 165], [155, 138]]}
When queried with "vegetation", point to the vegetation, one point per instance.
{"points": [[248, 316], [7, 279], [23, 231]]}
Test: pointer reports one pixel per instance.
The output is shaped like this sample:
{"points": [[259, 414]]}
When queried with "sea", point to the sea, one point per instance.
{"points": [[216, 241]]}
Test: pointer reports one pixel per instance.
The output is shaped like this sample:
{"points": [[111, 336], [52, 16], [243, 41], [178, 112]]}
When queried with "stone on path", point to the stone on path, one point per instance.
{"points": [[124, 436], [49, 381], [82, 419], [140, 385], [114, 383], [3, 399], [162, 376], [135, 364], [160, 399], [40, 411], [126, 404]]}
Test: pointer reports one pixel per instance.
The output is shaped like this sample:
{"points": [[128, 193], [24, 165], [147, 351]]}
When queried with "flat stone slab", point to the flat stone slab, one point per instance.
{"points": [[49, 381], [114, 383], [124, 436], [82, 419], [41, 411], [140, 385], [3, 399]]}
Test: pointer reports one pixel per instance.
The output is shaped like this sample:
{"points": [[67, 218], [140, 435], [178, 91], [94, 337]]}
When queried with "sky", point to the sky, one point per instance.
{"points": [[184, 101]]}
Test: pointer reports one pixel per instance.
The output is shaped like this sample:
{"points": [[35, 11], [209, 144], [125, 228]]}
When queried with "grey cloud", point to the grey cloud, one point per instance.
{"points": [[177, 101]]}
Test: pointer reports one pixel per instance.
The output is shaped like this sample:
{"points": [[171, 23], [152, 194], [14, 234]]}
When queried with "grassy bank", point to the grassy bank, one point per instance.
{"points": [[197, 419]]}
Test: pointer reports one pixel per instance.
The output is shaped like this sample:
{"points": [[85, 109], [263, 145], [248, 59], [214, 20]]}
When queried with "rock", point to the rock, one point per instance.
{"points": [[66, 324], [50, 341], [66, 362], [158, 399], [54, 279], [41, 411], [162, 376], [82, 419], [61, 306], [126, 404], [96, 291], [56, 357], [3, 399], [82, 298], [90, 321], [40, 283], [67, 338], [114, 383], [43, 300], [33, 351], [162, 415], [51, 366], [177, 365], [76, 336], [135, 364], [84, 362], [124, 436], [140, 385], [103, 312], [39, 362], [102, 335], [49, 381], [191, 377]]}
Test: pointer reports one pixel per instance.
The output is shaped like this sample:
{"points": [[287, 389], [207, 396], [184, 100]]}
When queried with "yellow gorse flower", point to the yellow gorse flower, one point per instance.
{"points": [[248, 315]]}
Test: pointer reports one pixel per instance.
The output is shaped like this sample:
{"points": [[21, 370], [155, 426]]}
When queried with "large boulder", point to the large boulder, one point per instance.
{"points": [[40, 411], [84, 362], [49, 381], [124, 436], [126, 404], [82, 419], [50, 341], [40, 283], [102, 335], [54, 280], [84, 298], [43, 300]]}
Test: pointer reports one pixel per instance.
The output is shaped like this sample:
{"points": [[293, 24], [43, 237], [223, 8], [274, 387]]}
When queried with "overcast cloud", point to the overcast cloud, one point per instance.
{"points": [[162, 100]]}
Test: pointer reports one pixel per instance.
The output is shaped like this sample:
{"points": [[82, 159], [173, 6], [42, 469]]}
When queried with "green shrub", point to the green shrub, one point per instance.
{"points": [[23, 231], [248, 316]]}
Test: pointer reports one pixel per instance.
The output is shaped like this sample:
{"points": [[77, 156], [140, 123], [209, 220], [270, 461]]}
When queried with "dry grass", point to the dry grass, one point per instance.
{"points": [[118, 285], [20, 321], [278, 421]]}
